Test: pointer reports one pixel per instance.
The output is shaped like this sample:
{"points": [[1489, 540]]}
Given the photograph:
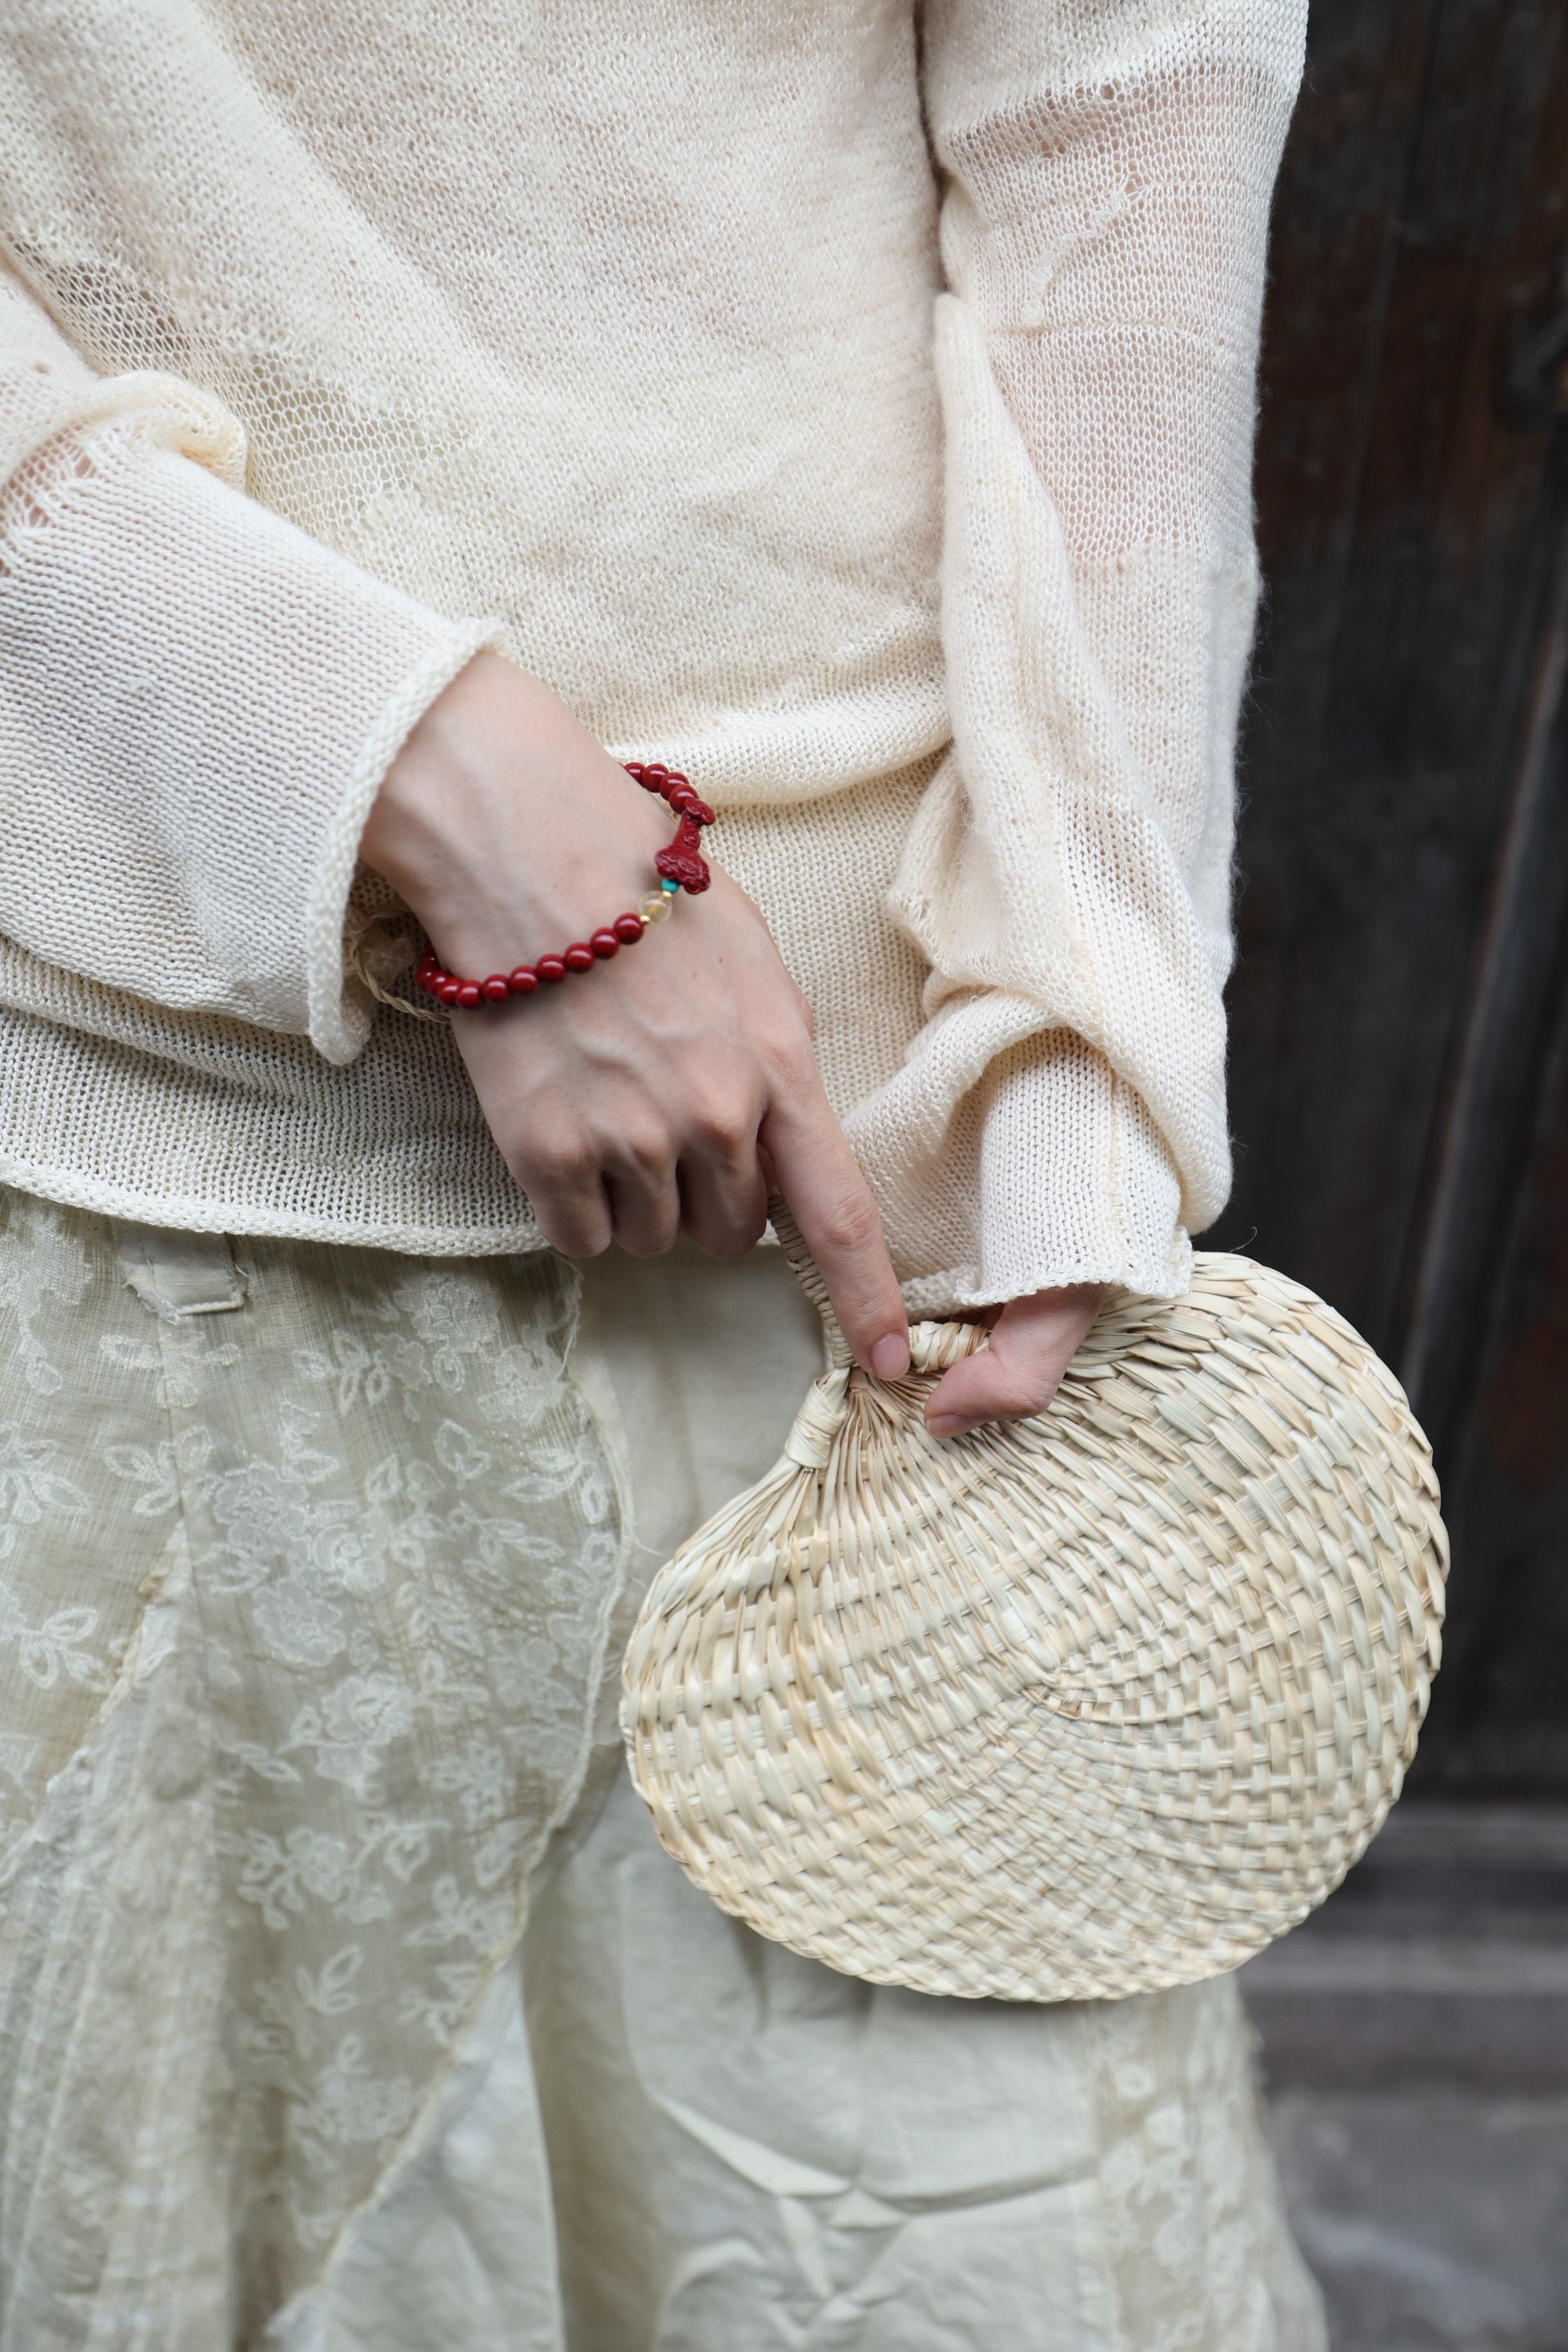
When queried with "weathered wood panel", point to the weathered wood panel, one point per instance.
{"points": [[1502, 1727], [1405, 840]]}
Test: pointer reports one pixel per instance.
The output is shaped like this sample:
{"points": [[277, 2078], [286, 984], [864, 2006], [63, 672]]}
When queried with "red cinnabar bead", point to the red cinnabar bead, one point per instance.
{"points": [[681, 862]]}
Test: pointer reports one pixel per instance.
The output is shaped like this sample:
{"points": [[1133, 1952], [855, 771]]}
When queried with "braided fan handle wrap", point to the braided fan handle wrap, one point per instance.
{"points": [[932, 1346], [804, 1268]]}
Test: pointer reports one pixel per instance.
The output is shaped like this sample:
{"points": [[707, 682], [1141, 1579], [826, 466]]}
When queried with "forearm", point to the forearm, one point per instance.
{"points": [[198, 704], [198, 701], [1107, 178]]}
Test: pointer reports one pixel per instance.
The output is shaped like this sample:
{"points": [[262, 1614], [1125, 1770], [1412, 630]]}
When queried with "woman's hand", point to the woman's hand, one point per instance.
{"points": [[638, 1102], [1032, 1343]]}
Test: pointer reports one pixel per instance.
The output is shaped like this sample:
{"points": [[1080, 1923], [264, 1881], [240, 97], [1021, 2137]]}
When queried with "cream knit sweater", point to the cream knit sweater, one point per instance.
{"points": [[898, 491]]}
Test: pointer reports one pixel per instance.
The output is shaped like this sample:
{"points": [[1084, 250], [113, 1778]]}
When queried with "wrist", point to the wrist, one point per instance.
{"points": [[679, 866], [440, 790], [502, 822]]}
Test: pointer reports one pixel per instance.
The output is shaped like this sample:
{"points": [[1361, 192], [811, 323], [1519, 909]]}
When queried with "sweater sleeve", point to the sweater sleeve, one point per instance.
{"points": [[198, 701], [1108, 166]]}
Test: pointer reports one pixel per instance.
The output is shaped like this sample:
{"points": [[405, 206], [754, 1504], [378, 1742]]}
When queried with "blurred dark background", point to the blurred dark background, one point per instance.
{"points": [[1400, 1105], [1400, 1013]]}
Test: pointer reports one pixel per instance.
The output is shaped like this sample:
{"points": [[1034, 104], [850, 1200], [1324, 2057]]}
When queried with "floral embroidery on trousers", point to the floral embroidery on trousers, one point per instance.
{"points": [[303, 1609]]}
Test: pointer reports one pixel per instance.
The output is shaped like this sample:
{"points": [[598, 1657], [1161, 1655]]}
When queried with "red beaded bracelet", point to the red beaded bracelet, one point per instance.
{"points": [[680, 867]]}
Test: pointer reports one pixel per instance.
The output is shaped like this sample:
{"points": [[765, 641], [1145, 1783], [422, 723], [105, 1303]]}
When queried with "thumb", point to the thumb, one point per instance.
{"points": [[1033, 1341]]}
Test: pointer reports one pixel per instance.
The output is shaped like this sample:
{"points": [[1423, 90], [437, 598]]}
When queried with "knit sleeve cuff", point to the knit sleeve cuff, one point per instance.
{"points": [[198, 704], [1050, 1171]]}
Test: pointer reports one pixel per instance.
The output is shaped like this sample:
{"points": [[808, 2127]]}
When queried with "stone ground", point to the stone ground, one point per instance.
{"points": [[1435, 2220], [1416, 2047]]}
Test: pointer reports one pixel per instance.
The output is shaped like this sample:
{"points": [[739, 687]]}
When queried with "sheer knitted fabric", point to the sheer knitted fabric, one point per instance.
{"points": [[610, 343]]}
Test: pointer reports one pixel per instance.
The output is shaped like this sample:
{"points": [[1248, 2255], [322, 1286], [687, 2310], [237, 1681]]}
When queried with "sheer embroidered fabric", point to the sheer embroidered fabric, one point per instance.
{"points": [[748, 2151], [308, 1594], [754, 2155], [302, 1620]]}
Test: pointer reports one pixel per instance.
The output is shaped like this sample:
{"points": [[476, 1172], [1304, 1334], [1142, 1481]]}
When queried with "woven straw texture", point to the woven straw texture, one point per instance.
{"points": [[1070, 1708]]}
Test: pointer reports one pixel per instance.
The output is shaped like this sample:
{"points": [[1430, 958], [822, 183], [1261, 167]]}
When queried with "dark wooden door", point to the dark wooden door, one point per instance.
{"points": [[1400, 1010]]}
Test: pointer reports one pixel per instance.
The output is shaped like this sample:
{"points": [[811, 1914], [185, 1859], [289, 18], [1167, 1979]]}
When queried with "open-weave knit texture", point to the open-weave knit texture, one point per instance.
{"points": [[1076, 1708], [607, 337]]}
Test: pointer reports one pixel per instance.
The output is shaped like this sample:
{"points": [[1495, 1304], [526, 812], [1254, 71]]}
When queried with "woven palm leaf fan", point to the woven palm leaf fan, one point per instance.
{"points": [[1070, 1707]]}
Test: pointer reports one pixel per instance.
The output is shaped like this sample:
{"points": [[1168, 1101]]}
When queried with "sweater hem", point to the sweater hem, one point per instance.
{"points": [[953, 1294], [198, 1214]]}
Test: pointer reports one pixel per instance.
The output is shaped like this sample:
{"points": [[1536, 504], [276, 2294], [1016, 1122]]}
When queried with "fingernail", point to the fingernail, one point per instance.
{"points": [[948, 1424], [891, 1357]]}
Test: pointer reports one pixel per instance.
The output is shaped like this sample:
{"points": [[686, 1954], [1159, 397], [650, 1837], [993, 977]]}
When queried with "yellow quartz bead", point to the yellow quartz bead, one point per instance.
{"points": [[656, 907]]}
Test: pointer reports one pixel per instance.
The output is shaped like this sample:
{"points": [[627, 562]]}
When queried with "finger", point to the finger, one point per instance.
{"points": [[1033, 1342], [724, 1206], [819, 1177], [645, 1199], [569, 1205], [645, 1218]]}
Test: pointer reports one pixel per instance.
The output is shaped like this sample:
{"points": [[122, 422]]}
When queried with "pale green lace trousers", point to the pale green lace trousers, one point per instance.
{"points": [[346, 1999]]}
